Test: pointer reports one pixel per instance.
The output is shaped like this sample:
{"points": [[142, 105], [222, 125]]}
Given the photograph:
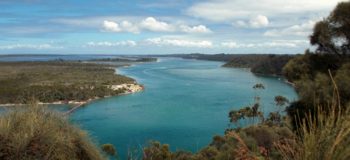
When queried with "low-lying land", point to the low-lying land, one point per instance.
{"points": [[60, 81]]}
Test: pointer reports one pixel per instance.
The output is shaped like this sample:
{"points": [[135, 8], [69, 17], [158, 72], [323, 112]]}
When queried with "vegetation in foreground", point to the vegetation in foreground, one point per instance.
{"points": [[316, 127], [54, 81], [35, 133]]}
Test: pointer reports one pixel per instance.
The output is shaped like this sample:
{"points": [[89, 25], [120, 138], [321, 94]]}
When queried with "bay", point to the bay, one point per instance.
{"points": [[184, 104]]}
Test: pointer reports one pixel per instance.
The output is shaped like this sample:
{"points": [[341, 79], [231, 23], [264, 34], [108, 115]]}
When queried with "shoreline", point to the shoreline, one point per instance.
{"points": [[280, 77], [130, 88]]}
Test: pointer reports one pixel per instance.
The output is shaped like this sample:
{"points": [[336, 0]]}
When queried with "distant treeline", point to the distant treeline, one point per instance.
{"points": [[268, 64], [52, 81]]}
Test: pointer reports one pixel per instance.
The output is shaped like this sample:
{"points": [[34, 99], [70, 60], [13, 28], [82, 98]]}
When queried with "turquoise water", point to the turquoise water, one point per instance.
{"points": [[185, 103]]}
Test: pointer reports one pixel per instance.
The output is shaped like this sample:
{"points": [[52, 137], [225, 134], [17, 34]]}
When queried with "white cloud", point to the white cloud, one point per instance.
{"points": [[125, 26], [129, 27], [111, 44], [152, 24], [304, 29], [111, 26], [179, 42], [271, 44], [232, 44], [28, 46], [195, 29], [227, 10], [259, 21], [255, 22]]}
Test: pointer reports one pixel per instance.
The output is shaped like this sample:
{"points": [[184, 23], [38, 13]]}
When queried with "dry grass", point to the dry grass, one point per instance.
{"points": [[242, 152], [324, 135], [35, 133]]}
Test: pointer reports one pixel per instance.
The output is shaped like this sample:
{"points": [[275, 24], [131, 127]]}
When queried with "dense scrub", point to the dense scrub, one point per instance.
{"points": [[255, 142], [311, 74], [261, 64], [56, 81], [35, 133]]}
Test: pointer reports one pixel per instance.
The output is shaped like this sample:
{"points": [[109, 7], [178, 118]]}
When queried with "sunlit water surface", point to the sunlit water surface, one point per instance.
{"points": [[184, 104]]}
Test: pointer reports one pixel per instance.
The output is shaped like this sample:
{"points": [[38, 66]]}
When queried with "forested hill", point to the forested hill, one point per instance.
{"points": [[268, 64]]}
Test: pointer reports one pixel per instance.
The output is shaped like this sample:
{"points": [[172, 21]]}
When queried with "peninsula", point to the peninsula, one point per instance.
{"points": [[61, 82]]}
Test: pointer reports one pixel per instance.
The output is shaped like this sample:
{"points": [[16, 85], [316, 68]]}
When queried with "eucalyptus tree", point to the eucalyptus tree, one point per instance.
{"points": [[250, 112], [281, 102], [332, 34]]}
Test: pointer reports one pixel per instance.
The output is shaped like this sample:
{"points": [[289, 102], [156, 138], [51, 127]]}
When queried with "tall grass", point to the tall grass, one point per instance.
{"points": [[323, 135], [36, 133]]}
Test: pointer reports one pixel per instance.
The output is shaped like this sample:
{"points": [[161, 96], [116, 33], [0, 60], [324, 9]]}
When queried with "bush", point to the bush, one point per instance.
{"points": [[36, 133]]}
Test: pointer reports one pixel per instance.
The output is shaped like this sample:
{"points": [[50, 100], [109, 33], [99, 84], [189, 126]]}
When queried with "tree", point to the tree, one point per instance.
{"points": [[249, 111], [332, 35], [281, 101], [109, 149], [259, 86]]}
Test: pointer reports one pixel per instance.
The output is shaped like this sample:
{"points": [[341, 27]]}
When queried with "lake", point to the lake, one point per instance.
{"points": [[184, 104]]}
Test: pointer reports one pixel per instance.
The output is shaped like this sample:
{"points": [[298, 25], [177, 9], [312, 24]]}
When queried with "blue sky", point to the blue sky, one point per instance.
{"points": [[158, 26]]}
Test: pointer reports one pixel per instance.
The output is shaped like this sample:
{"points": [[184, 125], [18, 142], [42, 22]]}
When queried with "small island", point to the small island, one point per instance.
{"points": [[61, 82]]}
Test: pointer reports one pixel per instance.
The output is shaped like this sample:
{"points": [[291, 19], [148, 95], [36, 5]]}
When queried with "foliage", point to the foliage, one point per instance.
{"points": [[322, 136], [259, 86], [109, 149], [36, 133], [251, 143], [332, 35], [156, 151], [261, 64], [317, 87], [249, 112], [312, 73], [320, 119], [281, 101]]}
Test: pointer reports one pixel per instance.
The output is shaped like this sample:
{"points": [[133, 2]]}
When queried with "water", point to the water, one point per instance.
{"points": [[185, 103]]}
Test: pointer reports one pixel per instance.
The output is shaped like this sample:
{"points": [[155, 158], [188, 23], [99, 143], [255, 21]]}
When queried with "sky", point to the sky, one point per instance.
{"points": [[158, 26]]}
